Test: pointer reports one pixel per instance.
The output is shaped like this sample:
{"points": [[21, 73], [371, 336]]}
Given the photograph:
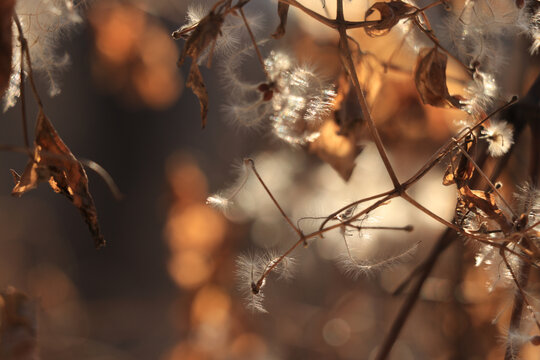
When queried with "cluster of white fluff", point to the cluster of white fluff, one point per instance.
{"points": [[43, 22], [477, 34], [233, 31], [534, 32], [300, 102], [294, 99], [527, 205], [500, 137], [251, 267]]}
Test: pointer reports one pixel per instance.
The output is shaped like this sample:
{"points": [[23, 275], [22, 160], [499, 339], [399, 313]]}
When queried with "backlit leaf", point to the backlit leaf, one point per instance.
{"points": [[430, 79], [53, 162]]}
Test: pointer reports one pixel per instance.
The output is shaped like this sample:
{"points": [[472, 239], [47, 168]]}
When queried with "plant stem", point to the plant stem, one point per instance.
{"points": [[351, 69], [412, 297]]}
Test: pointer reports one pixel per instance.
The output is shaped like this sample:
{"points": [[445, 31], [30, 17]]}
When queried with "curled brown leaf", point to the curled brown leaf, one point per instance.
{"points": [[479, 200], [391, 13], [430, 79], [199, 38], [53, 162], [196, 83], [463, 171]]}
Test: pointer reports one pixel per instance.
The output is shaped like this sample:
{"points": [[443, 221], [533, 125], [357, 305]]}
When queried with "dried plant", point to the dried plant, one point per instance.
{"points": [[335, 108], [295, 102]]}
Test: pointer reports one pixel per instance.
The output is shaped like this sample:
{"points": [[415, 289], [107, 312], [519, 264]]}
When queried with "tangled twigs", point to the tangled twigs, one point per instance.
{"points": [[521, 278]]}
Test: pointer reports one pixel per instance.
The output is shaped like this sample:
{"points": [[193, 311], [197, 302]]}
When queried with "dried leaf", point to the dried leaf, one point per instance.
{"points": [[339, 151], [18, 328], [6, 20], [391, 13], [196, 83], [54, 162], [461, 173], [348, 113], [475, 200], [430, 79], [283, 10], [200, 37]]}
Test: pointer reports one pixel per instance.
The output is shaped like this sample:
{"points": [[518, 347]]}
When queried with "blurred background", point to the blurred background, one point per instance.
{"points": [[164, 287]]}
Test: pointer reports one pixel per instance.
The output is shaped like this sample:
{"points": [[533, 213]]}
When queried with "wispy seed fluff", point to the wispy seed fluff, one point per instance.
{"points": [[476, 32], [233, 32], [534, 31], [300, 100], [43, 22], [251, 267], [500, 137], [294, 98], [224, 199]]}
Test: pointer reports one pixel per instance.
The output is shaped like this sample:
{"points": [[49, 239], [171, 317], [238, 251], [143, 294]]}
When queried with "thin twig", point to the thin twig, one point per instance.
{"points": [[98, 169], [285, 216], [254, 41], [351, 70]]}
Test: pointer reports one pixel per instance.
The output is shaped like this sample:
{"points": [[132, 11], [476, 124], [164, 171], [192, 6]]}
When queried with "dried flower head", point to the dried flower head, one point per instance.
{"points": [[294, 98], [252, 271], [300, 100], [500, 136]]}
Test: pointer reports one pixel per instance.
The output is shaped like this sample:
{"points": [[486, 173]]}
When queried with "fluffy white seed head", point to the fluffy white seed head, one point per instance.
{"points": [[250, 269], [219, 202], [44, 22], [295, 99], [500, 137], [233, 30], [300, 101], [481, 93]]}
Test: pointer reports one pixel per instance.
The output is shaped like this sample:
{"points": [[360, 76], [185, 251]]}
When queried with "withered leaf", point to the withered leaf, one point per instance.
{"points": [[461, 173], [18, 328], [6, 13], [53, 162], [200, 37], [430, 79], [475, 200], [391, 12], [196, 83], [339, 151], [283, 11], [204, 34]]}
